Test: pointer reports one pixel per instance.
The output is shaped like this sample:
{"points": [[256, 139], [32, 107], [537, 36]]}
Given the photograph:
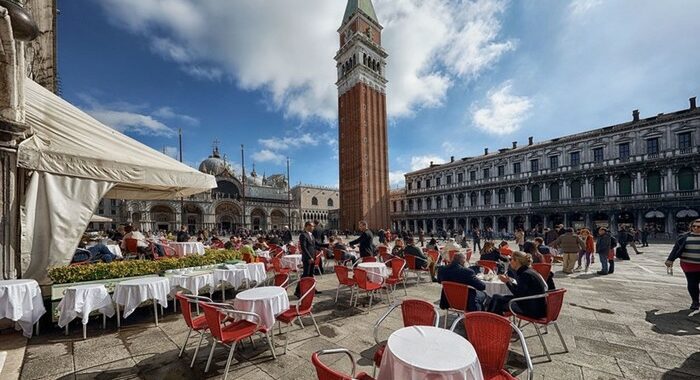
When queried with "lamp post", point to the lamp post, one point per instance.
{"points": [[289, 199], [243, 180]]}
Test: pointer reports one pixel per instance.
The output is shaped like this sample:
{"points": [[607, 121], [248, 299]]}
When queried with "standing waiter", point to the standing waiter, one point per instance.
{"points": [[366, 240], [308, 246]]}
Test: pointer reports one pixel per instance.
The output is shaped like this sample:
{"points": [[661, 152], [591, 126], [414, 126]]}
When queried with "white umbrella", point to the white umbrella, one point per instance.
{"points": [[100, 219]]}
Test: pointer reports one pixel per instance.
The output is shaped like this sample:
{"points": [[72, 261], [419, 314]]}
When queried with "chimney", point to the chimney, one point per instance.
{"points": [[515, 144], [452, 158], [486, 151], [692, 103], [431, 164], [635, 115], [529, 140]]}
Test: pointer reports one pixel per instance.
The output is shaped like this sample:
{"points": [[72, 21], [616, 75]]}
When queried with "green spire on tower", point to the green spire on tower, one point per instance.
{"points": [[362, 5]]}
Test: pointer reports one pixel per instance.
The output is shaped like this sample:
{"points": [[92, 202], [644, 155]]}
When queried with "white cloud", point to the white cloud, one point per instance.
{"points": [[285, 143], [168, 113], [504, 112], [580, 7], [266, 155], [449, 147], [124, 121], [285, 47], [396, 178], [422, 162], [170, 151]]}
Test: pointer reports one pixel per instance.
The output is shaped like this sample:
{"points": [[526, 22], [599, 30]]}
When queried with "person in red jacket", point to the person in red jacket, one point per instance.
{"points": [[587, 237]]}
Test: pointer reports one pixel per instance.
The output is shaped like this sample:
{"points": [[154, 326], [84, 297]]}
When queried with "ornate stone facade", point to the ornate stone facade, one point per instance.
{"points": [[363, 147], [315, 202], [642, 173], [262, 204]]}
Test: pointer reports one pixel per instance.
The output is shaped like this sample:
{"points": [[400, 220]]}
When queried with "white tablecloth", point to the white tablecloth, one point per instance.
{"points": [[495, 286], [426, 352], [81, 300], [256, 272], [375, 271], [116, 250], [235, 277], [187, 248], [21, 302], [265, 254], [192, 282], [265, 301], [291, 261], [132, 293]]}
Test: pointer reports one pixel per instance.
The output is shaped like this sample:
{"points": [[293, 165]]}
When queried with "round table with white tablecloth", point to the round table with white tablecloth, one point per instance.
{"points": [[192, 282], [187, 248], [131, 293], [265, 301], [376, 272], [257, 272], [291, 261], [81, 300], [494, 286], [21, 302], [427, 352], [233, 276]]}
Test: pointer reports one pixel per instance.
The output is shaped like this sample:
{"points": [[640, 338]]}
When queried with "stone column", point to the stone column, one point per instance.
{"points": [[511, 228], [588, 220], [544, 221], [566, 219]]}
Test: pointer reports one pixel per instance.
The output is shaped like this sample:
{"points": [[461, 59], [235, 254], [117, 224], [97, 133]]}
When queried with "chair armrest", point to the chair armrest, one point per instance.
{"points": [[375, 332], [234, 313], [195, 299], [526, 353], [340, 351], [510, 303], [304, 296], [454, 324]]}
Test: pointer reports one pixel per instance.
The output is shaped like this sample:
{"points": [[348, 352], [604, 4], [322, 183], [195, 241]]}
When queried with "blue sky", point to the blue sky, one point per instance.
{"points": [[463, 75]]}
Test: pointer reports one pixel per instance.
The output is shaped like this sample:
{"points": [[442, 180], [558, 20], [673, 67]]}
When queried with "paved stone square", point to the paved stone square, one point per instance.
{"points": [[634, 325]]}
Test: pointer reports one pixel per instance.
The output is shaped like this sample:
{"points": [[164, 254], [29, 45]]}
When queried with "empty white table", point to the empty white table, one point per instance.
{"points": [[376, 272], [257, 272], [291, 261], [192, 282], [21, 302], [80, 301], [132, 293], [427, 352], [265, 301], [187, 248]]}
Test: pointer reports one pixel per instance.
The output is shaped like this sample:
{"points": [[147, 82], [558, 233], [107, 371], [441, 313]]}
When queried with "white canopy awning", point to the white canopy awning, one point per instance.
{"points": [[69, 142], [76, 161], [100, 219]]}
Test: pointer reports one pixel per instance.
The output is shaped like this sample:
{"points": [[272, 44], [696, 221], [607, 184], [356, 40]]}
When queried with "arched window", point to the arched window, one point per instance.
{"points": [[410, 205], [449, 201], [419, 204], [501, 196], [438, 202], [460, 200], [554, 191], [487, 197], [575, 189], [518, 195], [472, 198], [535, 193], [599, 187], [314, 201], [624, 184], [330, 203], [428, 203], [653, 182], [686, 179]]}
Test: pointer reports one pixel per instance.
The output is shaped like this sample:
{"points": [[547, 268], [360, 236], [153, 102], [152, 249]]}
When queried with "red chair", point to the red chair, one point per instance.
{"points": [[132, 249], [434, 255], [457, 297], [412, 266], [553, 300], [248, 258], [307, 287], [469, 254], [281, 279], [318, 262], [414, 313], [360, 276], [548, 259], [369, 259], [196, 324], [323, 372], [292, 249], [169, 252], [343, 274], [397, 274], [490, 265], [490, 335], [382, 250], [338, 257], [543, 269], [277, 266], [218, 244], [451, 255], [229, 334]]}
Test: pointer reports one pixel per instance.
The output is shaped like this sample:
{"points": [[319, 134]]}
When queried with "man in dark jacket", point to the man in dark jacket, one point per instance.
{"points": [[182, 235], [422, 261], [318, 232], [457, 272], [603, 245], [366, 240], [308, 247], [286, 235]]}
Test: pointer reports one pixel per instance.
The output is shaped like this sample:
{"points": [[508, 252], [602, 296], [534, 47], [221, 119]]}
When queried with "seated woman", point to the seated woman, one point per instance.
{"points": [[261, 245], [432, 244], [527, 283], [336, 242], [397, 251], [504, 249], [491, 253], [531, 248]]}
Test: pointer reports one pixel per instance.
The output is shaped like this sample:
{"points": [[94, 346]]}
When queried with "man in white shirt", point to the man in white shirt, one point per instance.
{"points": [[132, 233]]}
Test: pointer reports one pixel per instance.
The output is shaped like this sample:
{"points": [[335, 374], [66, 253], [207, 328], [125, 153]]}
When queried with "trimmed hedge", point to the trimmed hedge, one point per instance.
{"points": [[132, 268]]}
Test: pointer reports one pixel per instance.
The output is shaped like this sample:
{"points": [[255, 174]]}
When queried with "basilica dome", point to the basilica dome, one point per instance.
{"points": [[215, 165]]}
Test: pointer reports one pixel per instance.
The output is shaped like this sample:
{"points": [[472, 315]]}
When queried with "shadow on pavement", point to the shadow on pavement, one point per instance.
{"points": [[691, 365], [679, 323]]}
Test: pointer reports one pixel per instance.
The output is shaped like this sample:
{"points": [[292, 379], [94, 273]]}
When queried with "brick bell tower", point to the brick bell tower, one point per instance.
{"points": [[362, 131]]}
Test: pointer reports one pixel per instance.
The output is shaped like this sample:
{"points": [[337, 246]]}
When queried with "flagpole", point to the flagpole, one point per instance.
{"points": [[289, 199], [243, 181], [182, 201]]}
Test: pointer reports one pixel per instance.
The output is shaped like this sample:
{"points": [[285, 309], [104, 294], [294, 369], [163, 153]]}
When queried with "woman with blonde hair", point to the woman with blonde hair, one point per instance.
{"points": [[527, 283], [587, 237]]}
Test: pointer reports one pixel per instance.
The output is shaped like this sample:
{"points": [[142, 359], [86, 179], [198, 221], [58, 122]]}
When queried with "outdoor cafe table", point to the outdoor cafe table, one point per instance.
{"points": [[132, 293], [427, 352], [80, 301], [234, 275], [192, 282], [291, 261], [257, 272], [187, 248], [264, 254], [21, 302], [265, 301], [494, 286], [376, 272]]}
